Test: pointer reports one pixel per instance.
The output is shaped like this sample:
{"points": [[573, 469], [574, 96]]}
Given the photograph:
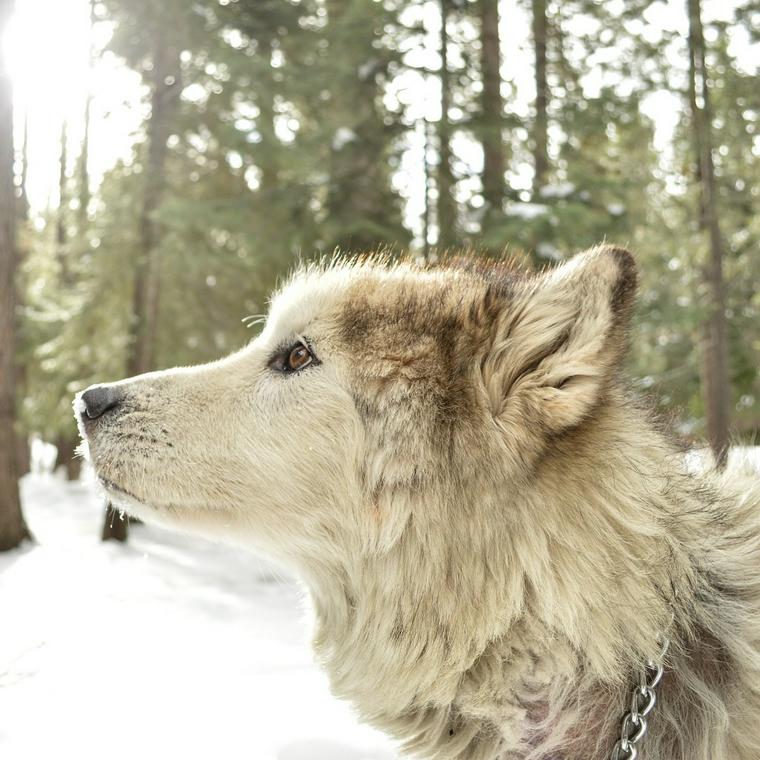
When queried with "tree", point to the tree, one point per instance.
{"points": [[716, 387], [165, 89], [735, 106], [540, 117], [13, 528], [60, 221], [84, 153], [359, 133], [23, 200], [446, 205], [23, 451], [158, 51], [68, 438], [66, 442], [492, 108]]}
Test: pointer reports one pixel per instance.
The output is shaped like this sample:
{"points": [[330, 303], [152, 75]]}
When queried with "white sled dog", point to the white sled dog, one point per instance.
{"points": [[497, 537]]}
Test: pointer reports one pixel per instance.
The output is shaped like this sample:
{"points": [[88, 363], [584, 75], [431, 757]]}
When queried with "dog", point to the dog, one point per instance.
{"points": [[497, 536]]}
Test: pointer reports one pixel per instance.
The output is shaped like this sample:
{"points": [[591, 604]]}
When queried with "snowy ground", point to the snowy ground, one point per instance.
{"points": [[168, 647]]}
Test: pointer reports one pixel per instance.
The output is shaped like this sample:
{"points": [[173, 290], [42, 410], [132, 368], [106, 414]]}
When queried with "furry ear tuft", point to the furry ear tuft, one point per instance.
{"points": [[560, 339]]}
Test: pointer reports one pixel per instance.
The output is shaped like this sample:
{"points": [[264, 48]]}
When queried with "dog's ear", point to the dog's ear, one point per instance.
{"points": [[559, 339]]}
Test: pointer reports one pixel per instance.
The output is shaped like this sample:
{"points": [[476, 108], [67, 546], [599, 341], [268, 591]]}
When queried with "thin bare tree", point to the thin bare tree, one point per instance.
{"points": [[23, 198], [541, 118], [716, 387], [491, 106], [84, 153], [66, 441], [446, 205]]}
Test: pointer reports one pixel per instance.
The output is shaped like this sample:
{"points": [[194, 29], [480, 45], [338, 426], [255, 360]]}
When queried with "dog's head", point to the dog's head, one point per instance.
{"points": [[369, 385]]}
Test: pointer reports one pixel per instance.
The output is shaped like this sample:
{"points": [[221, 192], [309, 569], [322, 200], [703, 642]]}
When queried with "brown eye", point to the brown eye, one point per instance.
{"points": [[293, 358], [298, 358]]}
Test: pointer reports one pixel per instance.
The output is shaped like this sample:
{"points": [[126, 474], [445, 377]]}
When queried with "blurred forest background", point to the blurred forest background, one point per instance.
{"points": [[263, 132]]}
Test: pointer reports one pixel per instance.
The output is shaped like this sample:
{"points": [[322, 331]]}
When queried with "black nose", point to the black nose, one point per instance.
{"points": [[99, 399]]}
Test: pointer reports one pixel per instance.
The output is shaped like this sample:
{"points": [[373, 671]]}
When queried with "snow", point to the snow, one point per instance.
{"points": [[342, 137], [549, 251], [560, 190], [367, 69], [615, 209], [526, 210], [741, 458], [167, 646]]}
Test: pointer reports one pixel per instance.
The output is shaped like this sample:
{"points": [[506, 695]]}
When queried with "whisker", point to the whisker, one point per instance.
{"points": [[254, 319]]}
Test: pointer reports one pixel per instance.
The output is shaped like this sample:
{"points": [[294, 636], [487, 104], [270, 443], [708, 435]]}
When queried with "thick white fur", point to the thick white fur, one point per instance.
{"points": [[487, 586]]}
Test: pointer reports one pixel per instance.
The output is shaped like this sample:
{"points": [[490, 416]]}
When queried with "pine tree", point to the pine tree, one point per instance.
{"points": [[358, 133]]}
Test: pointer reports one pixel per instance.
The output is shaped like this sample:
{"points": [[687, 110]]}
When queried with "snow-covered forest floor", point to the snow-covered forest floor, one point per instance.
{"points": [[167, 647]]}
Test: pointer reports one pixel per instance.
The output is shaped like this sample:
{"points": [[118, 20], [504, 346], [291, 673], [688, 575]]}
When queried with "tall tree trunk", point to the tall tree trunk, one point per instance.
{"points": [[715, 377], [492, 106], [13, 529], [66, 442], [266, 124], [446, 207], [60, 222], [428, 208], [115, 525], [84, 155], [66, 456], [541, 120], [23, 454], [60, 219], [164, 98], [23, 201], [84, 175]]}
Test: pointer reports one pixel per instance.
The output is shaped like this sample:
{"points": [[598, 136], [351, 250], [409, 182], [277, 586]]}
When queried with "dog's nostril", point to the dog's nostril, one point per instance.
{"points": [[99, 399]]}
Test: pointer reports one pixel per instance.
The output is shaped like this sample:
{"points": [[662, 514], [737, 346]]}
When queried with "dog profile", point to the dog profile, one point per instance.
{"points": [[495, 533]]}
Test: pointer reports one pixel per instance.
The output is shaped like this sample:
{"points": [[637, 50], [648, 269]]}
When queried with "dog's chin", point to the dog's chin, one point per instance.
{"points": [[123, 498]]}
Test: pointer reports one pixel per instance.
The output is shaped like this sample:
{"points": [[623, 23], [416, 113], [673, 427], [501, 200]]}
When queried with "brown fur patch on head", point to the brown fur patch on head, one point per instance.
{"points": [[413, 345], [410, 341]]}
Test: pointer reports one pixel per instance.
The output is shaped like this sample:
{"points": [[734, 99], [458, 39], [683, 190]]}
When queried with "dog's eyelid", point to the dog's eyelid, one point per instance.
{"points": [[279, 360], [307, 344]]}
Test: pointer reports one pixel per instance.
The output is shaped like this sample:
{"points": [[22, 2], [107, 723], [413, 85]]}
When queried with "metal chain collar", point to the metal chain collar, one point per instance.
{"points": [[643, 699]]}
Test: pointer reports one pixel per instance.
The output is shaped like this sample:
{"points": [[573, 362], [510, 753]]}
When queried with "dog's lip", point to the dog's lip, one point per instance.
{"points": [[109, 485]]}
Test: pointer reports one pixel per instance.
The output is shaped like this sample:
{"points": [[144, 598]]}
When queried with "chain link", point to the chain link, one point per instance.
{"points": [[643, 699]]}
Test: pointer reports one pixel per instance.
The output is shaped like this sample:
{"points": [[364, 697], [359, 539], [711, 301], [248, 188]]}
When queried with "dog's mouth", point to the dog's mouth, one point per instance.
{"points": [[129, 500], [118, 490]]}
